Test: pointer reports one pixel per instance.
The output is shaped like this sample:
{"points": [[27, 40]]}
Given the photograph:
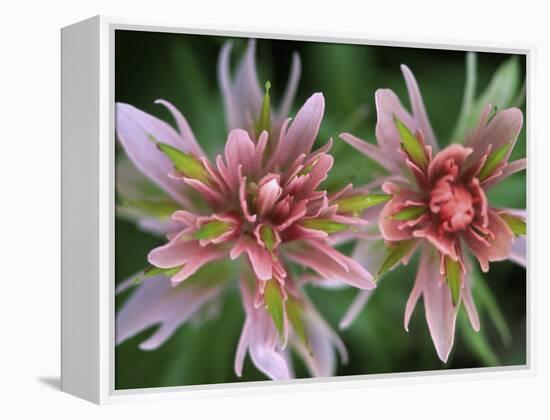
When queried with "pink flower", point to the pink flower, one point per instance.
{"points": [[261, 200], [242, 98], [439, 205]]}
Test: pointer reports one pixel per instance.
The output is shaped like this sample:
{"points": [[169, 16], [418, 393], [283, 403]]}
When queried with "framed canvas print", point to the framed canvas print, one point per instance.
{"points": [[262, 211]]}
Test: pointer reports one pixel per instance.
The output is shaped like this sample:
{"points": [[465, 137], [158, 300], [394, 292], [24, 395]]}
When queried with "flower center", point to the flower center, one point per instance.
{"points": [[454, 204]]}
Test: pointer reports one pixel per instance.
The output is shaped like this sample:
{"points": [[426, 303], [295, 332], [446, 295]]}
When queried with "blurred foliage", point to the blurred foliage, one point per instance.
{"points": [[182, 69]]}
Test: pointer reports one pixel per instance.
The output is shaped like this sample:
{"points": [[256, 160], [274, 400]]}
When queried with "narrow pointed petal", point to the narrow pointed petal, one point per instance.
{"points": [[469, 304], [134, 129], [508, 170], [291, 87], [302, 132], [329, 263], [388, 107], [184, 129], [358, 304], [242, 95], [440, 311], [371, 151], [155, 301], [261, 338], [418, 109], [321, 361], [424, 274]]}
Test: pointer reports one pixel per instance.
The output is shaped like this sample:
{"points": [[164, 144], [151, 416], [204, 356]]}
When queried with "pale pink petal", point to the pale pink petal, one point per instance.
{"points": [[469, 304], [424, 274], [134, 130], [371, 151], [190, 142], [302, 132], [502, 129], [290, 91], [440, 311], [261, 338], [359, 302], [186, 253], [518, 252], [418, 109], [509, 169], [331, 264], [388, 106], [322, 341], [155, 301], [159, 227], [240, 150], [242, 96]]}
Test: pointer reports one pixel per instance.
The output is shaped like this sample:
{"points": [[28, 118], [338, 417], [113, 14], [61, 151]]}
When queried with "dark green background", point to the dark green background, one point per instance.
{"points": [[182, 70]]}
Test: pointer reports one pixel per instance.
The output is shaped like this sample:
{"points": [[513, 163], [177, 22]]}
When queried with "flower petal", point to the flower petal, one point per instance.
{"points": [[188, 254], [302, 132], [440, 311], [330, 264], [424, 274], [500, 244], [418, 109], [371, 151], [185, 131], [261, 338], [502, 129], [134, 128], [155, 302], [469, 304], [260, 259]]}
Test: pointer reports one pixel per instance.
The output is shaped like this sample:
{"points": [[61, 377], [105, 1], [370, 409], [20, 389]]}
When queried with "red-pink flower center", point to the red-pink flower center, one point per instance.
{"points": [[454, 204]]}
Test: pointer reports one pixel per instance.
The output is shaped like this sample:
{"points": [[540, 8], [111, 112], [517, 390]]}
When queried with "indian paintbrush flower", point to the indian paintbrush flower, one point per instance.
{"points": [[439, 205], [261, 199]]}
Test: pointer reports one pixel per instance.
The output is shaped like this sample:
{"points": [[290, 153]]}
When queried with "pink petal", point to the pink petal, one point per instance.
{"points": [[518, 252], [184, 129], [388, 106], [510, 169], [156, 302], [500, 245], [395, 230], [242, 96], [290, 91], [322, 340], [240, 150], [134, 128], [371, 151], [418, 109], [424, 274], [355, 308], [453, 155], [469, 304], [259, 258], [261, 338], [189, 254], [302, 132], [503, 128], [440, 311], [268, 194], [330, 264]]}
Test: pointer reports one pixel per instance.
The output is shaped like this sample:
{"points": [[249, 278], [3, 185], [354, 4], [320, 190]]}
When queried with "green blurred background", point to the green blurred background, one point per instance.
{"points": [[182, 69]]}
